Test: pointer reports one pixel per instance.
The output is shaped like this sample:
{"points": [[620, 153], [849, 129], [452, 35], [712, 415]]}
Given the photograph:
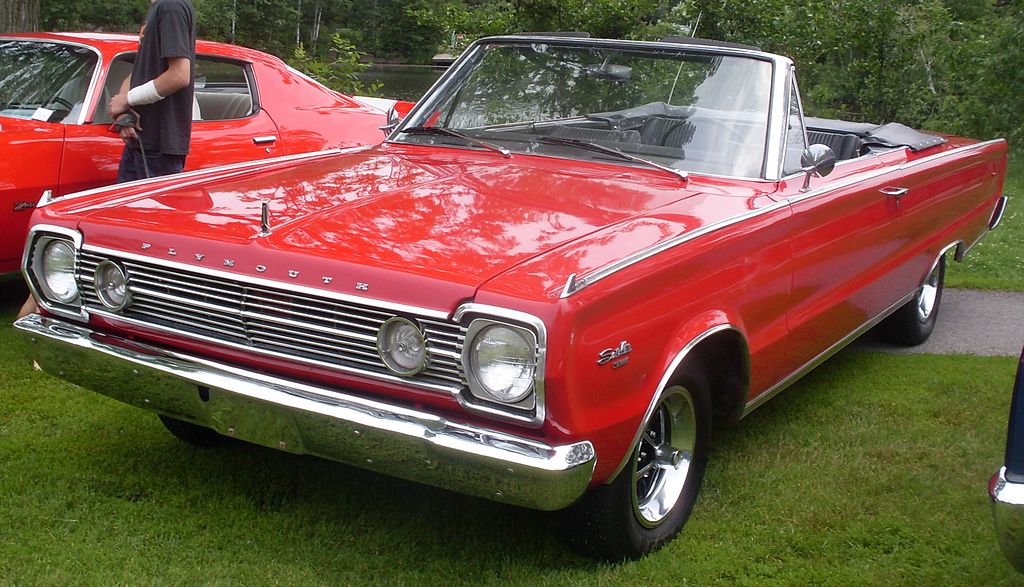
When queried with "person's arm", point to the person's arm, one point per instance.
{"points": [[177, 76]]}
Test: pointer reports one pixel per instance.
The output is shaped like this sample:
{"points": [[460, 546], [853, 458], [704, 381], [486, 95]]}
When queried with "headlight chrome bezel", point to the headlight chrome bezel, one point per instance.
{"points": [[530, 410], [40, 236]]}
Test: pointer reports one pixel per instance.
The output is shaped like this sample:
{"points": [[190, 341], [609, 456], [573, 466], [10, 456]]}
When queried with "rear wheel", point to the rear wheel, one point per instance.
{"points": [[913, 323], [651, 499], [191, 433]]}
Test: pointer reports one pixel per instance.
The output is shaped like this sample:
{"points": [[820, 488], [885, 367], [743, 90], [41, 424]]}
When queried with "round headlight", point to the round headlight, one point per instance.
{"points": [[503, 362], [112, 285], [58, 272], [401, 346]]}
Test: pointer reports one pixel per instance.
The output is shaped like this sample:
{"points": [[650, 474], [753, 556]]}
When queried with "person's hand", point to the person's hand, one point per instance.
{"points": [[128, 133], [119, 105]]}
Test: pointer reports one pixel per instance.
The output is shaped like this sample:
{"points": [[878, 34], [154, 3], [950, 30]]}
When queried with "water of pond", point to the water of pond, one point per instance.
{"points": [[404, 82]]}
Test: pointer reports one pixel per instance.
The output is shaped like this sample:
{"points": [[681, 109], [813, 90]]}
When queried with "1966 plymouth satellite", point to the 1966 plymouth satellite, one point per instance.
{"points": [[55, 91], [565, 263]]}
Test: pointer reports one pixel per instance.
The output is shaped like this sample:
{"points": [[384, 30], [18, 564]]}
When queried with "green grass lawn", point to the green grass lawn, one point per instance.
{"points": [[871, 471], [997, 262]]}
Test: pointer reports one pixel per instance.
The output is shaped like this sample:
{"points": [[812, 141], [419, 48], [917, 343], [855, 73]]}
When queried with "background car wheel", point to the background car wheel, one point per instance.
{"points": [[191, 433], [913, 323], [651, 499]]}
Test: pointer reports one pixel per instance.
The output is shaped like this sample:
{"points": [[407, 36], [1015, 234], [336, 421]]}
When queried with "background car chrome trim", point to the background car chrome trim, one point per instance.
{"points": [[644, 254], [539, 330], [94, 80], [1008, 512], [264, 282], [76, 239], [308, 419], [236, 169], [663, 387], [823, 356], [997, 215]]}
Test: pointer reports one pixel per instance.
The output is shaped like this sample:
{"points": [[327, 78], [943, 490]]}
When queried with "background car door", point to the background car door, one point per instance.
{"points": [[231, 128]]}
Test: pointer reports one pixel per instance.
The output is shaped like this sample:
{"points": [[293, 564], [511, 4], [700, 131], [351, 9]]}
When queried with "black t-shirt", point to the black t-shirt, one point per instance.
{"points": [[170, 31]]}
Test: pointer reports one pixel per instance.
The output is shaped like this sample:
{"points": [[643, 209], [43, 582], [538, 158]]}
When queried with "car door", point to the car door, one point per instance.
{"points": [[231, 126]]}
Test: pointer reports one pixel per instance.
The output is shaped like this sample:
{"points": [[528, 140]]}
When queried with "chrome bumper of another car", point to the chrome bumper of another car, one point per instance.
{"points": [[307, 419], [1008, 509]]}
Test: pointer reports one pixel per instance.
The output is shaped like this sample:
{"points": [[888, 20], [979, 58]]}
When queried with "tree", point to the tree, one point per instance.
{"points": [[19, 15]]}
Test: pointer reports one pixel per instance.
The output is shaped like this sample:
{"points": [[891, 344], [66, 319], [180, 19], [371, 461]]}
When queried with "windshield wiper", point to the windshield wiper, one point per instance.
{"points": [[447, 132], [610, 151]]}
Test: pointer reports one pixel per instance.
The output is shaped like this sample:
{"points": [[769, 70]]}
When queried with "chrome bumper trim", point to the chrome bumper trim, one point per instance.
{"points": [[307, 419], [1008, 511]]}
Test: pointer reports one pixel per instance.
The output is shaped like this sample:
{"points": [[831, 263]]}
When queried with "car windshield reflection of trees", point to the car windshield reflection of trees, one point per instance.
{"points": [[704, 113], [47, 81]]}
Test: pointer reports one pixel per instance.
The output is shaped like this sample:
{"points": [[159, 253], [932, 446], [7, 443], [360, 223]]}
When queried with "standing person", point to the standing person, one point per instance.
{"points": [[159, 99], [158, 93]]}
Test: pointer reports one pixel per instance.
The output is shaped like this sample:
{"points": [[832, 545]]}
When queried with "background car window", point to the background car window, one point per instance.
{"points": [[44, 81], [223, 91]]}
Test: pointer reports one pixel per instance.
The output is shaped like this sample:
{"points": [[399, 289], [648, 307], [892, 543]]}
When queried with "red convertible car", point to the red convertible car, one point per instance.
{"points": [[570, 259], [55, 90]]}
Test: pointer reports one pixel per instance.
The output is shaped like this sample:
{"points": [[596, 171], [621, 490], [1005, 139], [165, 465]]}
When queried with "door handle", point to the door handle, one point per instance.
{"points": [[264, 140], [895, 192]]}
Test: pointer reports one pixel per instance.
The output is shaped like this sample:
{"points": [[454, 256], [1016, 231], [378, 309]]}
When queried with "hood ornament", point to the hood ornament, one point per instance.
{"points": [[264, 219]]}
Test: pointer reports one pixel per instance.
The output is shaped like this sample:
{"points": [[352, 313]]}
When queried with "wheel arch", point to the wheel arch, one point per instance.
{"points": [[721, 354]]}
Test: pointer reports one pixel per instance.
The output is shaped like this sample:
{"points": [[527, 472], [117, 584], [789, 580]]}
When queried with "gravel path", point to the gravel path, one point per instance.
{"points": [[974, 322]]}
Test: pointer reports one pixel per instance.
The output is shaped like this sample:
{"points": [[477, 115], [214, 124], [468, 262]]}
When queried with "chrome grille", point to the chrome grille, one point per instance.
{"points": [[270, 320]]}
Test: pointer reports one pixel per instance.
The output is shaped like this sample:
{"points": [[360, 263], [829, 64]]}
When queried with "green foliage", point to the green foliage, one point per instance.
{"points": [[104, 15], [340, 71]]}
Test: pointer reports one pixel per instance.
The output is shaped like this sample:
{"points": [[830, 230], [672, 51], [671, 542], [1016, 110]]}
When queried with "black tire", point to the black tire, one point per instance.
{"points": [[610, 522], [191, 433], [914, 321]]}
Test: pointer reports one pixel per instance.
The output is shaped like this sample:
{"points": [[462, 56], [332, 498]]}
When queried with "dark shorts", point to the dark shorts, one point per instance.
{"points": [[132, 166]]}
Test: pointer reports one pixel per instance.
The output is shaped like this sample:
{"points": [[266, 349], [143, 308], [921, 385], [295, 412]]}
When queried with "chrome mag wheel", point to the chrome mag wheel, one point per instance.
{"points": [[662, 459], [929, 293]]}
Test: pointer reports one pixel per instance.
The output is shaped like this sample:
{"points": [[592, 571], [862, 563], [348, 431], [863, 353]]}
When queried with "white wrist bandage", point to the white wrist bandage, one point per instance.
{"points": [[144, 94]]}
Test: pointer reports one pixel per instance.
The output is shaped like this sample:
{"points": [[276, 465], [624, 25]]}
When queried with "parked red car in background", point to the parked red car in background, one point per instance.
{"points": [[54, 93]]}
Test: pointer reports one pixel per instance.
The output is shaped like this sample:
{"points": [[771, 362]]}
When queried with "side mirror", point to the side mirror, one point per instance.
{"points": [[396, 114], [816, 160]]}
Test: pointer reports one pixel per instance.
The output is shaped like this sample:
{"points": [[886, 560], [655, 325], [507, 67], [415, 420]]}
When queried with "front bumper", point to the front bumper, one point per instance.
{"points": [[306, 419], [1008, 510]]}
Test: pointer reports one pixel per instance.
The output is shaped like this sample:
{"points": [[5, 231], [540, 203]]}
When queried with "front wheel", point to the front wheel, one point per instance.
{"points": [[914, 321], [653, 495]]}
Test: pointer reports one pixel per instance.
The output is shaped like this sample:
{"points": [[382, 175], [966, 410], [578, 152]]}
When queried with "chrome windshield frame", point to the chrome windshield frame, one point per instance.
{"points": [[771, 168]]}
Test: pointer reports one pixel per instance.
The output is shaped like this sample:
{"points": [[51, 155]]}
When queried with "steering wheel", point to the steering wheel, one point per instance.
{"points": [[735, 137], [67, 105]]}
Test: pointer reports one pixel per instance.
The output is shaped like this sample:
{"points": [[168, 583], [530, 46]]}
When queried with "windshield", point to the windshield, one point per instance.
{"points": [[44, 81], [690, 111]]}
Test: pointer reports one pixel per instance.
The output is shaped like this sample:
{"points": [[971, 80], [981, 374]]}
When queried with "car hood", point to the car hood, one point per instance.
{"points": [[390, 221]]}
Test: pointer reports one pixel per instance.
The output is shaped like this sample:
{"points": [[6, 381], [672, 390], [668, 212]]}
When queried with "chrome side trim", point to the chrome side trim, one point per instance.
{"points": [[792, 378], [262, 282], [997, 215], [663, 386], [307, 419], [612, 268], [577, 283], [197, 176], [540, 330]]}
